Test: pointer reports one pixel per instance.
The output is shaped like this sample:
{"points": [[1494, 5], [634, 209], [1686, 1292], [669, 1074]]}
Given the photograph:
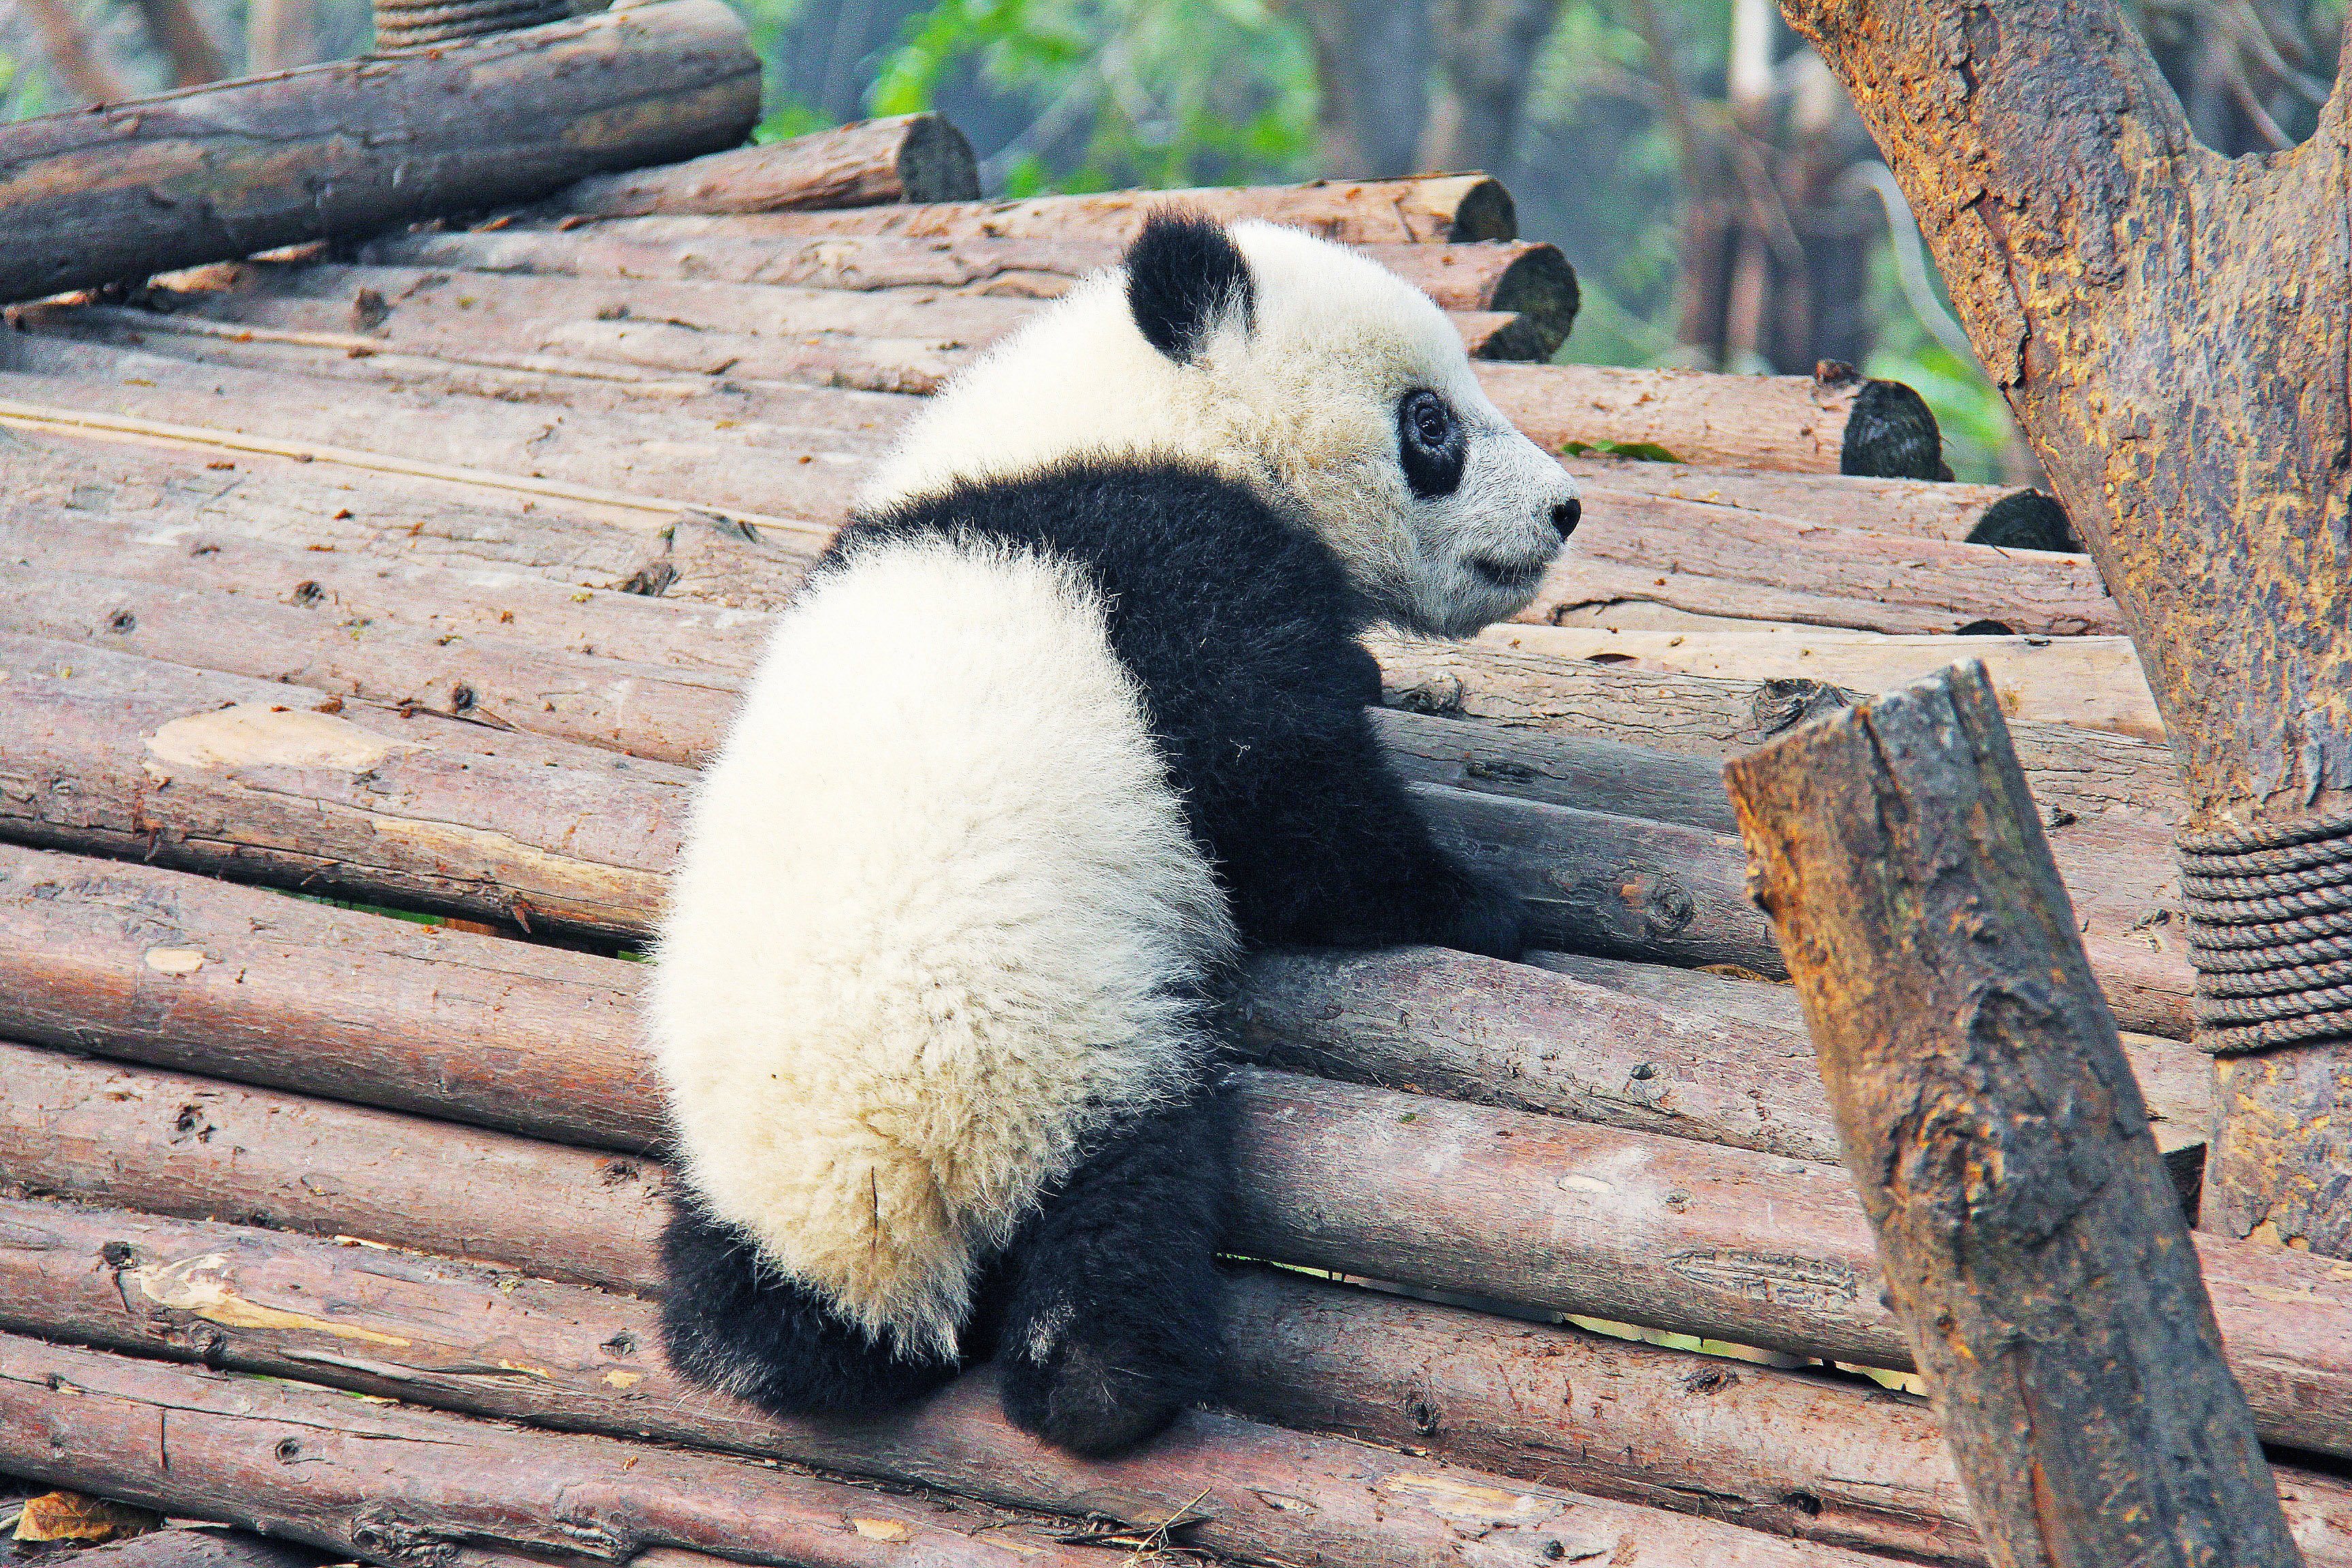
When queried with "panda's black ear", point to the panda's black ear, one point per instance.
{"points": [[1183, 272]]}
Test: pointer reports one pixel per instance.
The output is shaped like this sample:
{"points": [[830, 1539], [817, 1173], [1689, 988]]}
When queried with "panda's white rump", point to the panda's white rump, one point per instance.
{"points": [[937, 918]]}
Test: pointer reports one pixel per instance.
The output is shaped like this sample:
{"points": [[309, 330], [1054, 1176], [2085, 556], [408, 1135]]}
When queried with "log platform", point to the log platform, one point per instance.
{"points": [[365, 613]]}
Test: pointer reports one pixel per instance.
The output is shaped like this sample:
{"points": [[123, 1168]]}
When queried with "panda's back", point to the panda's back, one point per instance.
{"points": [[940, 913]]}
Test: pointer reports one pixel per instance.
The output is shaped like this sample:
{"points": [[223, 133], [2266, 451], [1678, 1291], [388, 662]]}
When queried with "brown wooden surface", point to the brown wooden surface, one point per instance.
{"points": [[904, 158], [392, 1483], [2032, 1245], [182, 38], [1629, 1226], [1529, 279], [2128, 254], [436, 1332], [109, 753], [184, 1547], [1927, 507], [306, 790], [215, 171], [1779, 423], [1432, 208]]}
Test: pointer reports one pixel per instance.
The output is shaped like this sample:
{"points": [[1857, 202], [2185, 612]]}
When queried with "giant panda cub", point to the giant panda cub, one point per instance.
{"points": [[1069, 717]]}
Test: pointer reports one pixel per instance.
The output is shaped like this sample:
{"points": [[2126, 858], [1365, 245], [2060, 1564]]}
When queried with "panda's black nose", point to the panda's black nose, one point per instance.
{"points": [[1564, 516]]}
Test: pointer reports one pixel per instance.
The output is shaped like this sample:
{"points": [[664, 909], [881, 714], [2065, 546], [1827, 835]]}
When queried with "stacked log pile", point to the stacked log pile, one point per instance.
{"points": [[417, 579]]}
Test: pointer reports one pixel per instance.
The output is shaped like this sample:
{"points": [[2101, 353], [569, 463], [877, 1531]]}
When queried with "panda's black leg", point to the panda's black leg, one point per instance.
{"points": [[1111, 1304], [770, 1340]]}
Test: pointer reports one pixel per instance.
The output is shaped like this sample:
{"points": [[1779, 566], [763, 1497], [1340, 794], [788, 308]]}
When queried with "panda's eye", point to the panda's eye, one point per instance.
{"points": [[1430, 444]]}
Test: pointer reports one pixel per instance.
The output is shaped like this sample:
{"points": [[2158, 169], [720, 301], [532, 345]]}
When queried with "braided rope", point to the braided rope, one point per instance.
{"points": [[414, 24], [2270, 930]]}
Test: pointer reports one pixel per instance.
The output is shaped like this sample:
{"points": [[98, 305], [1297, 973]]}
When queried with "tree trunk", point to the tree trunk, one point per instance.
{"points": [[2172, 329], [1372, 61], [2031, 1238], [224, 171], [181, 35], [1487, 55], [65, 45], [278, 36]]}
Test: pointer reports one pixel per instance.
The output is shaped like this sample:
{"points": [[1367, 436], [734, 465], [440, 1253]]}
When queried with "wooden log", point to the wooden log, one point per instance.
{"points": [[222, 774], [1760, 563], [1927, 508], [1453, 208], [2031, 1246], [127, 756], [905, 158], [1525, 278], [2092, 681], [1629, 1226], [643, 710], [218, 172], [1753, 565], [391, 1483], [426, 1329], [161, 968], [182, 1546]]}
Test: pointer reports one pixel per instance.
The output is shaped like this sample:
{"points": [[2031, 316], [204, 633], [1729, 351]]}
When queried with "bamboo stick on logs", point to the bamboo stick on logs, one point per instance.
{"points": [[391, 1482], [905, 158], [208, 174], [1629, 1226], [2031, 1245], [1263, 1495]]}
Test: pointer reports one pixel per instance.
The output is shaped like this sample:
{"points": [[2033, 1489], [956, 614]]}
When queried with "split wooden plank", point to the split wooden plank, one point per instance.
{"points": [[2031, 1242], [2095, 682], [209, 173], [1530, 280], [1444, 208], [903, 158], [1629, 1226], [384, 1481], [432, 1324]]}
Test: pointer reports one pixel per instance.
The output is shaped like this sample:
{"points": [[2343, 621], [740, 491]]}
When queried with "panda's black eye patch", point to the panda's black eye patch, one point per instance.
{"points": [[1431, 445]]}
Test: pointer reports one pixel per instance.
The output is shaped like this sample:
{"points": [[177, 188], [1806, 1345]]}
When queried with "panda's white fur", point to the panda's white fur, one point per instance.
{"points": [[941, 916], [1296, 402], [921, 940]]}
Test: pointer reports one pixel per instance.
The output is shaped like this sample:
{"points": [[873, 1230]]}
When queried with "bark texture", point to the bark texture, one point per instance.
{"points": [[458, 1336], [2173, 329], [2032, 1242], [1504, 1206], [906, 158], [221, 171], [394, 1484]]}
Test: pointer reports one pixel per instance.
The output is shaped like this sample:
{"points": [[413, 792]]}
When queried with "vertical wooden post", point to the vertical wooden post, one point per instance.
{"points": [[2031, 1243], [69, 57], [277, 35], [2172, 328], [175, 27]]}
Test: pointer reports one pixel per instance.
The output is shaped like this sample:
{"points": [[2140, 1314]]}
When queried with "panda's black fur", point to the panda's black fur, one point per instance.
{"points": [[1241, 630]]}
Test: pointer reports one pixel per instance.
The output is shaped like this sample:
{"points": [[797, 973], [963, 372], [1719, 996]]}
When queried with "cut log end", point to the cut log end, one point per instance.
{"points": [[1486, 212]]}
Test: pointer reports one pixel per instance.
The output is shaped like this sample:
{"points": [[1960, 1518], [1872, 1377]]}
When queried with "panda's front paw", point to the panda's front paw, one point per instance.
{"points": [[1484, 917]]}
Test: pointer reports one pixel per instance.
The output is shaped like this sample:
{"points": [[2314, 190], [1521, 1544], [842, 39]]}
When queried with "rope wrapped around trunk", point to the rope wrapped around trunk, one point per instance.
{"points": [[412, 23], [2270, 930]]}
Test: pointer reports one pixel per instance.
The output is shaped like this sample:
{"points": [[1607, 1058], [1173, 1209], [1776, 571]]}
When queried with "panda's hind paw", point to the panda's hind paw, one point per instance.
{"points": [[1095, 1398]]}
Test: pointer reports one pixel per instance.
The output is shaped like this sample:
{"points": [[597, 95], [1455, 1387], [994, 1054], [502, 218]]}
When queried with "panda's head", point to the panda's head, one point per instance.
{"points": [[1312, 374]]}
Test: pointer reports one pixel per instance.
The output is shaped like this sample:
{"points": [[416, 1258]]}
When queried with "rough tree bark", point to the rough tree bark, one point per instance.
{"points": [[2031, 1244], [345, 149], [2174, 332]]}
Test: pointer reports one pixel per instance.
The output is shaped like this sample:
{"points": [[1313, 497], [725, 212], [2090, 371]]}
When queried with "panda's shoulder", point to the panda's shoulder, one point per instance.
{"points": [[1162, 539]]}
